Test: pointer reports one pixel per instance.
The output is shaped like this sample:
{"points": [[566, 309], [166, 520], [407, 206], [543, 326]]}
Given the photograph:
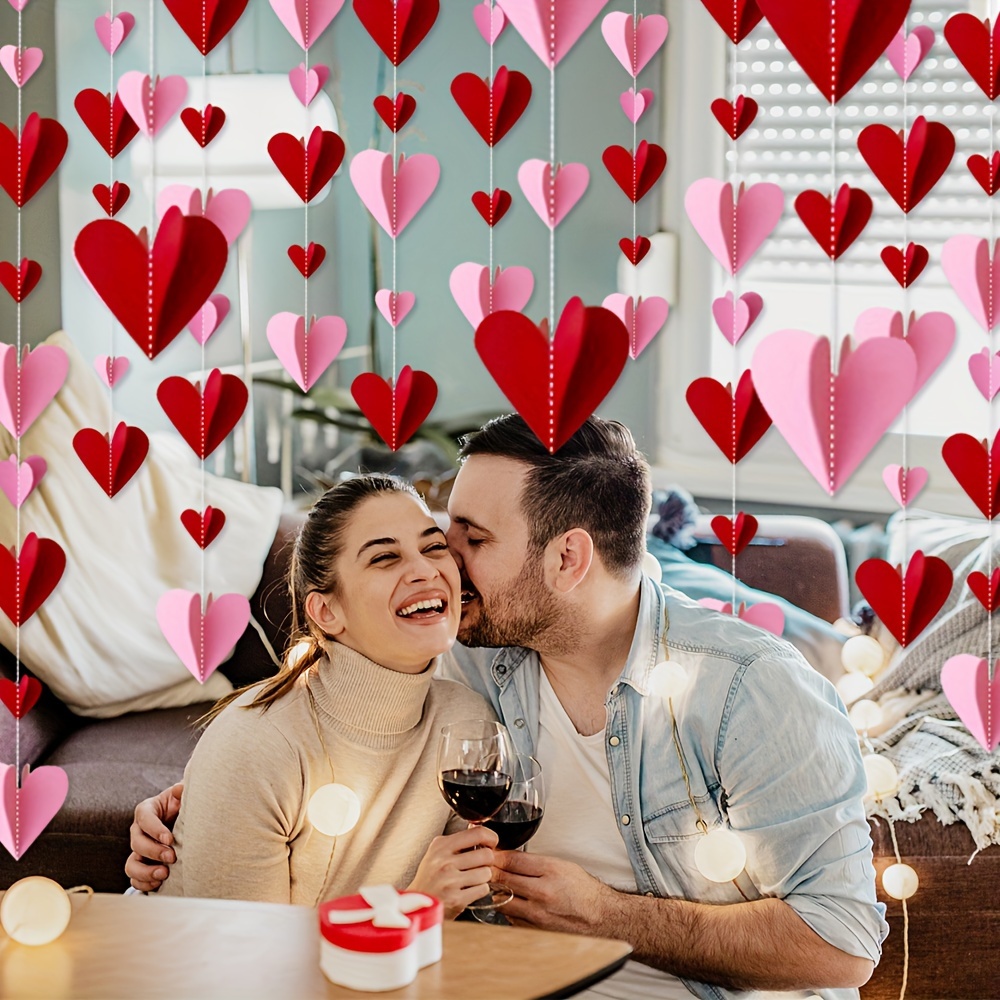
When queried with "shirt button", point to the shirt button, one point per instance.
{"points": [[626, 819], [650, 893], [519, 723], [501, 669], [614, 741]]}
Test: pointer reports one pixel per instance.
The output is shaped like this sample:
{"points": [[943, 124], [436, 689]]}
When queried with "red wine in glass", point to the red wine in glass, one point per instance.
{"points": [[474, 794], [515, 824]]}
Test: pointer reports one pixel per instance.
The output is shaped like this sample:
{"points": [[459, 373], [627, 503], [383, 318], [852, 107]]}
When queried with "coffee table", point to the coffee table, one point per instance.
{"points": [[145, 948]]}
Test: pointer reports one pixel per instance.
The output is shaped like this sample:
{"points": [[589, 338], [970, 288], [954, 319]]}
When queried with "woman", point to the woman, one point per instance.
{"points": [[376, 598]]}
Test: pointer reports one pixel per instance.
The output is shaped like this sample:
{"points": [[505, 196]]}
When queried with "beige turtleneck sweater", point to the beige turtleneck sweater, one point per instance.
{"points": [[243, 832]]}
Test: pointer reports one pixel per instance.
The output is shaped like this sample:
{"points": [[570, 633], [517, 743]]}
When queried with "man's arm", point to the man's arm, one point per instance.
{"points": [[151, 840]]}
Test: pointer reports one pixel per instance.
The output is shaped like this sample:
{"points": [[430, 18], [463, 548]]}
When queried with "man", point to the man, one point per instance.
{"points": [[551, 550]]}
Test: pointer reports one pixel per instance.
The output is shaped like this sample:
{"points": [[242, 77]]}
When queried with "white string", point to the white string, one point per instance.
{"points": [[490, 188], [734, 180], [991, 250], [552, 219], [17, 446], [152, 173], [834, 317], [392, 300], [906, 916], [111, 184], [204, 208]]}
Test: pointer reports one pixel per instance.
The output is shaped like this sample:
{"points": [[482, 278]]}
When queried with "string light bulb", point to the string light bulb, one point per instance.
{"points": [[669, 680], [35, 910], [865, 715], [862, 654], [334, 809], [651, 567], [720, 855], [850, 687], [883, 778], [900, 881]]}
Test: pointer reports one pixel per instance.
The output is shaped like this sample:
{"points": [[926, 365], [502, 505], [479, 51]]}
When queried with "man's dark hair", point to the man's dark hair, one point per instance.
{"points": [[597, 481]]}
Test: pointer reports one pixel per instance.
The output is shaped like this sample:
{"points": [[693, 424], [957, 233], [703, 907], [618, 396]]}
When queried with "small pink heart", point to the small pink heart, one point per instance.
{"points": [[478, 298], [209, 318], [20, 64], [974, 272], [306, 356], [552, 198], [734, 319], [904, 484], [151, 104], [306, 20], [18, 5], [985, 373], [26, 389], [635, 104], [306, 84], [17, 481], [229, 209], [111, 370], [26, 811], [634, 41], [965, 680], [907, 51], [490, 20], [643, 319], [394, 196], [395, 307], [113, 31], [202, 641], [764, 615]]}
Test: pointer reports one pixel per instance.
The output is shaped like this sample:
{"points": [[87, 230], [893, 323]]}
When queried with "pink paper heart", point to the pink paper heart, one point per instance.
{"points": [[394, 198], [904, 484], [735, 320], [306, 84], [635, 104], [394, 307], [229, 209], [985, 373], [306, 356], [27, 389], [17, 481], [643, 319], [975, 276], [765, 614], [209, 318], [306, 20], [551, 201], [113, 31], [151, 113], [18, 5], [634, 43], [111, 370], [791, 372], [20, 64], [965, 681], [477, 298], [490, 21], [733, 229], [535, 20], [202, 641], [26, 811], [907, 51]]}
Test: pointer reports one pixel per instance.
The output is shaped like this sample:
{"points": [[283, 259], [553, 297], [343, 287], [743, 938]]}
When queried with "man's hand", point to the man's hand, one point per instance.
{"points": [[457, 868], [150, 839]]}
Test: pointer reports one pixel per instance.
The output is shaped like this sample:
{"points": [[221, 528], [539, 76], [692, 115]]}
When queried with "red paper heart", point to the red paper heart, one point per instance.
{"points": [[737, 18], [735, 535], [978, 50], [203, 418], [554, 384], [20, 698], [206, 22], [112, 199], [28, 578], [27, 163], [907, 605], [203, 527], [906, 268], [494, 208], [835, 228], [986, 589], [735, 422], [397, 26], [112, 463], [635, 175], [396, 113], [395, 410], [205, 125], [307, 259], [737, 117], [492, 109], [188, 258], [634, 250], [977, 472], [908, 172], [20, 281], [986, 172], [835, 41], [108, 121], [308, 168]]}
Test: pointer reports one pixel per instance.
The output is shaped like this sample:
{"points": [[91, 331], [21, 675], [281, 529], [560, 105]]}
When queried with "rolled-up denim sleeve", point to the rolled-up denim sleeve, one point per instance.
{"points": [[790, 766]]}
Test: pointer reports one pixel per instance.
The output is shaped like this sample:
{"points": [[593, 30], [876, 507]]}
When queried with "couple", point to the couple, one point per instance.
{"points": [[550, 549]]}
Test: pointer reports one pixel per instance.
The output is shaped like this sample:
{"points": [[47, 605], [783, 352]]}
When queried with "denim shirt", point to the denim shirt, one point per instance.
{"points": [[768, 751]]}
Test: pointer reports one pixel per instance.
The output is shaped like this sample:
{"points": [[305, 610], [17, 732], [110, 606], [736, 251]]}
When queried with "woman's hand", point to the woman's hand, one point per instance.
{"points": [[148, 865], [457, 868]]}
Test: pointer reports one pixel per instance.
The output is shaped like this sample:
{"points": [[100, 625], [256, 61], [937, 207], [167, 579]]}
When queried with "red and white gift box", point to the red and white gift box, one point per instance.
{"points": [[379, 939]]}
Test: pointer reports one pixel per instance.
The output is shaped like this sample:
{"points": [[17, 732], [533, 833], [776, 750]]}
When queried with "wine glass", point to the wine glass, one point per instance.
{"points": [[517, 820]]}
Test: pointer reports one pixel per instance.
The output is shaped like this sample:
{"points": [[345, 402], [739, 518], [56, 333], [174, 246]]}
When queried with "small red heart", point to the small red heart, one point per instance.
{"points": [[492, 108], [987, 590], [735, 535], [635, 249], [494, 208], [27, 579], [205, 125], [977, 472], [307, 259], [397, 26], [835, 227], [108, 121], [20, 281], [20, 698], [29, 160], [206, 22], [737, 117], [906, 605], [635, 175], [396, 113], [308, 167], [906, 267], [112, 463], [977, 48], [737, 18], [397, 410], [203, 418], [987, 172], [203, 527], [734, 422], [112, 199]]}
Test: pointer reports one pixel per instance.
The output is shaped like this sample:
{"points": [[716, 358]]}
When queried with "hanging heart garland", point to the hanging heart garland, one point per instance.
{"points": [[112, 461], [735, 421], [976, 470], [203, 417], [29, 385], [977, 47], [492, 108], [207, 22], [965, 681], [835, 226], [737, 18], [29, 160], [305, 355], [477, 296], [537, 21], [20, 281], [395, 409], [27, 810], [106, 120], [397, 26], [29, 576], [394, 197], [202, 640], [308, 167]]}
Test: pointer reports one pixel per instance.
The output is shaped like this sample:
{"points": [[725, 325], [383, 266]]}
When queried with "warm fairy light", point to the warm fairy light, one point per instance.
{"points": [[334, 809], [35, 910], [668, 680], [883, 778], [651, 567], [865, 715], [900, 881], [862, 654], [720, 855], [298, 651], [854, 686]]}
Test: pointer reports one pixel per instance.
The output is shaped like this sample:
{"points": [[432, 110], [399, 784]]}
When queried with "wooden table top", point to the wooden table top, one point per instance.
{"points": [[144, 948]]}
